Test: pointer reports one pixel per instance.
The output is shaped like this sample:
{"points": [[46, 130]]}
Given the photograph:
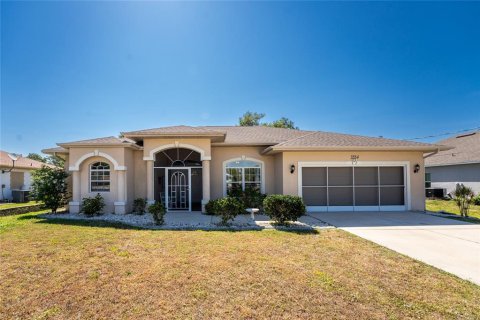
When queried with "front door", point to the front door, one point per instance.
{"points": [[178, 189]]}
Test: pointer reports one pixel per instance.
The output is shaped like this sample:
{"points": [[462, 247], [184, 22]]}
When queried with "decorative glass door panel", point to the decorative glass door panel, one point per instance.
{"points": [[178, 189]]}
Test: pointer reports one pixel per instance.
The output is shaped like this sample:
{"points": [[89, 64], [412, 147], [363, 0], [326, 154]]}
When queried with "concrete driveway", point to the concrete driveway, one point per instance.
{"points": [[450, 245]]}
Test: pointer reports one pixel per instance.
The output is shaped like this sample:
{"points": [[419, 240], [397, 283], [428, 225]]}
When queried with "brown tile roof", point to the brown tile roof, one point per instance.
{"points": [[258, 135], [466, 149], [277, 138], [173, 130], [21, 163], [55, 150], [319, 140], [99, 141]]}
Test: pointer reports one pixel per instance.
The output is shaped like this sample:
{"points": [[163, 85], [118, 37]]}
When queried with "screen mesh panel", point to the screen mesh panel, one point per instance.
{"points": [[341, 176], [314, 176], [392, 196], [315, 196], [391, 176], [366, 176], [340, 196], [366, 196]]}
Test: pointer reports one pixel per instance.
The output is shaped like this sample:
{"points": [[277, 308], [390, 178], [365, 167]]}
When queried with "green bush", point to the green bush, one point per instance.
{"points": [[211, 207], [139, 206], [283, 208], [93, 206], [158, 212], [476, 200], [228, 208], [50, 187], [251, 198]]}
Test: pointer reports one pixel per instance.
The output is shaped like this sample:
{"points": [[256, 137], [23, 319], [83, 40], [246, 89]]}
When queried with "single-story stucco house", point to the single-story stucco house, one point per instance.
{"points": [[15, 176], [460, 164], [184, 167]]}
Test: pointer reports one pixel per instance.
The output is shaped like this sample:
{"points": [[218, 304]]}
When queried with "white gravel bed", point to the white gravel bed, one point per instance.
{"points": [[188, 221]]}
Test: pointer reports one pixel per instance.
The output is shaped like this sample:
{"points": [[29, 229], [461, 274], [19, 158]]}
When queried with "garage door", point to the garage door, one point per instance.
{"points": [[353, 188]]}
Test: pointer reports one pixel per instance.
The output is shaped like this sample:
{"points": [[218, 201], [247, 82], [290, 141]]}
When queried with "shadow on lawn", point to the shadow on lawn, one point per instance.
{"points": [[120, 225]]}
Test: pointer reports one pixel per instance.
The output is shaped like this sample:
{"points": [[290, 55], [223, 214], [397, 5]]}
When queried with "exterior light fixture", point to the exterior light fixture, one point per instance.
{"points": [[14, 158], [292, 168], [416, 168]]}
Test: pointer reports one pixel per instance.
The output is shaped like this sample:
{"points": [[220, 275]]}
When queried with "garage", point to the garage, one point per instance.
{"points": [[359, 187]]}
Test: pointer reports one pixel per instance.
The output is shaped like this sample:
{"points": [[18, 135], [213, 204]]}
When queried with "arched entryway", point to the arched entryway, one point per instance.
{"points": [[178, 179]]}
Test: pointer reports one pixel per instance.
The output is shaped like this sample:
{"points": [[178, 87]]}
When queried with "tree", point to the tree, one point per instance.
{"points": [[50, 186], [56, 161], [37, 157], [282, 123], [464, 198], [250, 119]]}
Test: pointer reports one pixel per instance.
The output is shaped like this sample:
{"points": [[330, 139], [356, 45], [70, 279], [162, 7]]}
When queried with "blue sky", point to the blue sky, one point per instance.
{"points": [[81, 70]]}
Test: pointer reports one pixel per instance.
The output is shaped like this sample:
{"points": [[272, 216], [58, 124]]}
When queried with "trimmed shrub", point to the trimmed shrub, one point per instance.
{"points": [[93, 206], [228, 208], [158, 212], [139, 206], [251, 198], [283, 208], [476, 200], [211, 207]]}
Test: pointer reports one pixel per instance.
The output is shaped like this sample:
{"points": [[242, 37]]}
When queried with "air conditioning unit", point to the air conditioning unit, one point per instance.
{"points": [[435, 192], [20, 196]]}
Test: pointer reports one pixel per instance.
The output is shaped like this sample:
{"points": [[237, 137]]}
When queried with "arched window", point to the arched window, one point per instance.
{"points": [[243, 175], [99, 177], [178, 157]]}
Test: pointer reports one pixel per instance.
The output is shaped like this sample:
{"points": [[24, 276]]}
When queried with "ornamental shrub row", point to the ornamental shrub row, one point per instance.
{"points": [[280, 208]]}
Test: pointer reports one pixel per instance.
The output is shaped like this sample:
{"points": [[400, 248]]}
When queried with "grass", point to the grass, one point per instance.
{"points": [[63, 269], [451, 207], [17, 205]]}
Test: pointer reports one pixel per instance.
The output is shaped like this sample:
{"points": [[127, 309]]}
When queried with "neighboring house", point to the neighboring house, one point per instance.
{"points": [[17, 179], [184, 167], [458, 165]]}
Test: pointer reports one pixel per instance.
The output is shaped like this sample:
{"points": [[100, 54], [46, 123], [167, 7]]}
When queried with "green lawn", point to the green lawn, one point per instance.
{"points": [[16, 205], [451, 207], [88, 270]]}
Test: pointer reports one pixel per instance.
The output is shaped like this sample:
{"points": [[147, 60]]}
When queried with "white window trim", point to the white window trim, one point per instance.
{"points": [[90, 177], [406, 172], [262, 173]]}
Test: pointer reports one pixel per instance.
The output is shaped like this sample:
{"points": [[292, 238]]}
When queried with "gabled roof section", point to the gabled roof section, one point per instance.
{"points": [[105, 141], [319, 140], [465, 150], [21, 163], [177, 131], [256, 135]]}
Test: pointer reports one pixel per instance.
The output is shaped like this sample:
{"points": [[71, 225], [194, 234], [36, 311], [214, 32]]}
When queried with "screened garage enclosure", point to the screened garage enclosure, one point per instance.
{"points": [[353, 188]]}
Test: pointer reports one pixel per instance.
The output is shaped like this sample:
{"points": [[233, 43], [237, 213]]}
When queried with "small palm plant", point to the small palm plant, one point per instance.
{"points": [[464, 198]]}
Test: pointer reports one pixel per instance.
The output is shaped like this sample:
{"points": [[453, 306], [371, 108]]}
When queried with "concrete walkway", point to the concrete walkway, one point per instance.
{"points": [[450, 245]]}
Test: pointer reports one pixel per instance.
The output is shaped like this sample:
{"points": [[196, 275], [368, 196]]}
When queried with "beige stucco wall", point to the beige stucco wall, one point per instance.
{"points": [[417, 180], [118, 153], [140, 173], [221, 154], [109, 197]]}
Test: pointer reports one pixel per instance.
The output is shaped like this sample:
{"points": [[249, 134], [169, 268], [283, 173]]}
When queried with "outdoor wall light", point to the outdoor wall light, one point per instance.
{"points": [[416, 168], [292, 168]]}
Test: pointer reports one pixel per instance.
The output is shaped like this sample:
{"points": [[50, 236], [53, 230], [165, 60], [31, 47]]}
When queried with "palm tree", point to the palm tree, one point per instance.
{"points": [[463, 197]]}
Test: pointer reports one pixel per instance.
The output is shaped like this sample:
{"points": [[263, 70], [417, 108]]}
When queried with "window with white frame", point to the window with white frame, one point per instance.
{"points": [[99, 177], [243, 175]]}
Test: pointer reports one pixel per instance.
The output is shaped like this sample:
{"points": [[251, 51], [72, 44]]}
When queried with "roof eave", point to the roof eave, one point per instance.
{"points": [[274, 149], [86, 145]]}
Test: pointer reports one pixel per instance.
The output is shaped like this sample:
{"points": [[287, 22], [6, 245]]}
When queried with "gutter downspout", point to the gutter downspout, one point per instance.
{"points": [[432, 153]]}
